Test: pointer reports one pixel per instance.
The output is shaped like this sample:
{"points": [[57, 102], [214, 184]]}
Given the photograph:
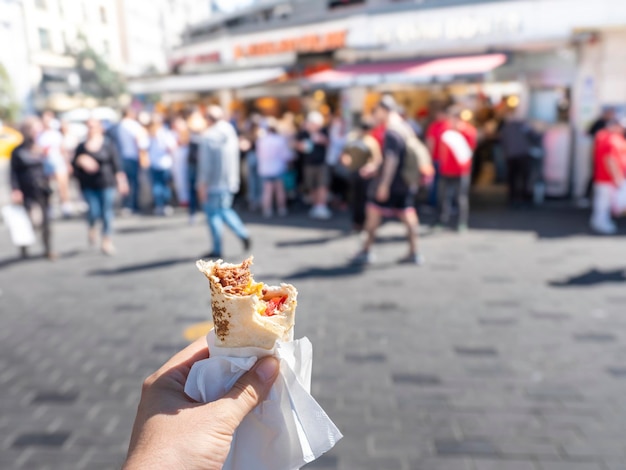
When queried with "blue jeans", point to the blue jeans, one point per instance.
{"points": [[161, 192], [219, 211], [192, 177], [100, 206], [131, 168]]}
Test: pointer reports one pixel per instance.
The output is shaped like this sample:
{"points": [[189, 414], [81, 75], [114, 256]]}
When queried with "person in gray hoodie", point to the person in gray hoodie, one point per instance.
{"points": [[218, 179]]}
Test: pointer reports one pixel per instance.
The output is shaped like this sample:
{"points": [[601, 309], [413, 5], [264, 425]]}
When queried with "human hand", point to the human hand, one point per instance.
{"points": [[368, 170], [122, 184], [382, 193], [17, 197], [173, 431]]}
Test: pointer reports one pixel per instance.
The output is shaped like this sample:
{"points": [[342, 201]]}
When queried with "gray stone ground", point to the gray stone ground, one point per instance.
{"points": [[506, 351]]}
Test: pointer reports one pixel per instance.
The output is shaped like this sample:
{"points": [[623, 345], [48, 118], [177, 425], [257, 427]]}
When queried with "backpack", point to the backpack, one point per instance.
{"points": [[417, 160]]}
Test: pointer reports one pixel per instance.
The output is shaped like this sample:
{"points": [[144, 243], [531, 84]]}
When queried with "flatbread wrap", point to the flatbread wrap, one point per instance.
{"points": [[248, 313]]}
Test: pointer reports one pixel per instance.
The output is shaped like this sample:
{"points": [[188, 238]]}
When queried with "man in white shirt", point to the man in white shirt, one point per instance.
{"points": [[132, 142]]}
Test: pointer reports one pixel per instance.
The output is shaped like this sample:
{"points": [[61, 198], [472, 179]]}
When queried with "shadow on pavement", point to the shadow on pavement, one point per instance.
{"points": [[5, 263], [549, 221], [591, 278], [336, 271], [133, 268]]}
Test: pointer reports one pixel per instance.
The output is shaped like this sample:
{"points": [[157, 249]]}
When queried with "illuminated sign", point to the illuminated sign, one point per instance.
{"points": [[459, 28], [308, 43]]}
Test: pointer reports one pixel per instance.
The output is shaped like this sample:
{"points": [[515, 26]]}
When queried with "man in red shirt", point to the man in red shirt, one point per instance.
{"points": [[433, 141], [609, 175], [456, 151]]}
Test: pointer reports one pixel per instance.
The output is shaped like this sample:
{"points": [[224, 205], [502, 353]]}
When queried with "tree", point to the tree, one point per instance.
{"points": [[97, 79], [8, 105]]}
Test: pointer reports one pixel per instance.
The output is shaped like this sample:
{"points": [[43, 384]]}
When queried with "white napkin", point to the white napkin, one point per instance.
{"points": [[289, 429]]}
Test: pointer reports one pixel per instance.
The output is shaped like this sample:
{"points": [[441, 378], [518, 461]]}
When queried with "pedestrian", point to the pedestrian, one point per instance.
{"points": [[362, 156], [182, 136], [515, 142], [30, 185], [197, 125], [392, 195], [247, 146], [455, 159], [218, 179], [161, 150], [98, 168], [51, 142], [312, 142], [339, 179], [433, 141], [273, 154], [609, 175], [132, 141]]}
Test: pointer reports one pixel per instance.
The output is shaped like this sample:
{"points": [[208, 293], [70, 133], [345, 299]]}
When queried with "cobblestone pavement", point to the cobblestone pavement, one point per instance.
{"points": [[506, 351]]}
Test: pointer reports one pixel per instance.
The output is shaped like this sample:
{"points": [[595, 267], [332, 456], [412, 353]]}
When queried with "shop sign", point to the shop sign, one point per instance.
{"points": [[205, 58], [451, 29], [308, 43]]}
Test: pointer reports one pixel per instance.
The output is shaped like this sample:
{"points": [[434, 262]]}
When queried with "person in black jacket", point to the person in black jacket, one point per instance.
{"points": [[29, 183], [99, 170]]}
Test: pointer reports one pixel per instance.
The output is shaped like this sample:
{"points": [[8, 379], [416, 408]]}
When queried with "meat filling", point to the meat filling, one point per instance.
{"points": [[235, 280]]}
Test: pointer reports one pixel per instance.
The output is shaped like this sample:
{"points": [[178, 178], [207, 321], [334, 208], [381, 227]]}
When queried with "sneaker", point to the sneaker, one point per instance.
{"points": [[268, 214], [168, 211], [126, 212], [604, 229], [283, 212], [462, 228], [192, 219], [320, 213], [414, 258], [108, 249], [363, 258], [67, 210], [247, 243]]}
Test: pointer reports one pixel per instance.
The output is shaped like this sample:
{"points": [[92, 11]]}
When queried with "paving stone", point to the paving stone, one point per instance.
{"points": [[476, 352], [569, 466], [52, 397], [52, 439], [325, 462], [554, 316], [366, 358], [469, 446], [415, 379], [497, 321], [500, 464], [619, 372], [595, 337]]}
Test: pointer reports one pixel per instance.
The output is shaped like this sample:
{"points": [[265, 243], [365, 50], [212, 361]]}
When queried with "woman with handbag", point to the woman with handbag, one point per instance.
{"points": [[29, 184], [99, 170]]}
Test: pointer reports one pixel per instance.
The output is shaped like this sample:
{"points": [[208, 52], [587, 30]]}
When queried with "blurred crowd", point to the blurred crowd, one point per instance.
{"points": [[203, 159]]}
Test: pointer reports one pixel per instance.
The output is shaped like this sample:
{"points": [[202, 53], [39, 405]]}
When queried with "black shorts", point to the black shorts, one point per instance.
{"points": [[397, 203]]}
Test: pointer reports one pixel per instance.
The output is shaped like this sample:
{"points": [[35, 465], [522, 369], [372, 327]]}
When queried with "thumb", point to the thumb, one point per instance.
{"points": [[250, 390]]}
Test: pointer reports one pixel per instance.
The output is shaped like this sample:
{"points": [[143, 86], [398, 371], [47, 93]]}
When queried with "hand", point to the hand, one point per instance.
{"points": [[17, 197], [88, 164], [173, 431], [382, 193], [122, 184], [368, 170]]}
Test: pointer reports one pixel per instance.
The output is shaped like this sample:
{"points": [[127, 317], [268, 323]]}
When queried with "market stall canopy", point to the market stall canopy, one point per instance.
{"points": [[398, 72], [205, 82]]}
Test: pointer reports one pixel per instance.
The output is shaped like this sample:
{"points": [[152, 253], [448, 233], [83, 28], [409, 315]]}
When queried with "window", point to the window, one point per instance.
{"points": [[344, 3], [103, 15], [44, 40], [40, 4]]}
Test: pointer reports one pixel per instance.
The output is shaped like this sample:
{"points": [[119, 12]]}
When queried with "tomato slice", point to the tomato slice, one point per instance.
{"points": [[274, 304]]}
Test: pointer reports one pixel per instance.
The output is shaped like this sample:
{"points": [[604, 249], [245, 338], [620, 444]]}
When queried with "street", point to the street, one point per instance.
{"points": [[506, 350]]}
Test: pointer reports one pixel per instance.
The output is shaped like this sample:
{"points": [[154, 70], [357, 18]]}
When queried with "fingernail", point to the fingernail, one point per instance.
{"points": [[267, 369]]}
